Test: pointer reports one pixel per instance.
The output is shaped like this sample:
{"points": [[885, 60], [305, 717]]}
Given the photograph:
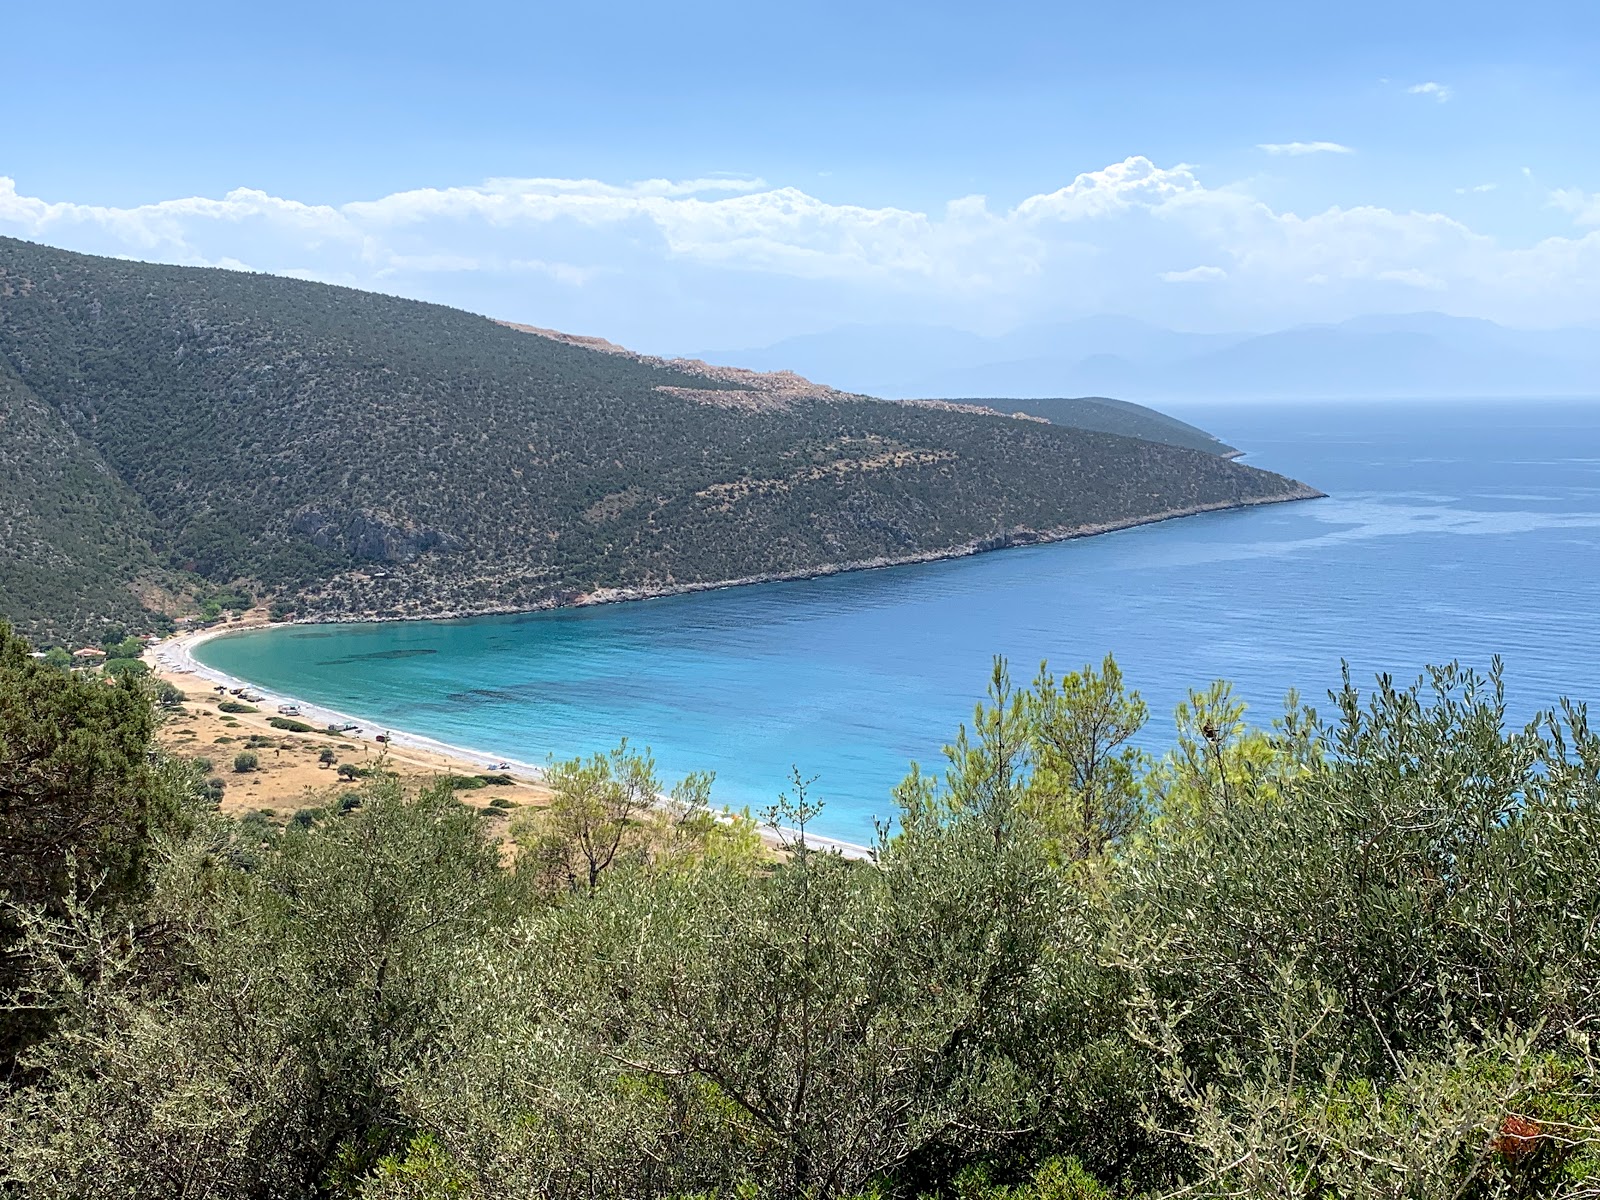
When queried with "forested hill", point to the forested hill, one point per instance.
{"points": [[75, 542], [1114, 416], [347, 453]]}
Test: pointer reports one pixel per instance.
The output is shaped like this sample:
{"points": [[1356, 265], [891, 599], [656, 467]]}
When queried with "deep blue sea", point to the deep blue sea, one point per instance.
{"points": [[1452, 530]]}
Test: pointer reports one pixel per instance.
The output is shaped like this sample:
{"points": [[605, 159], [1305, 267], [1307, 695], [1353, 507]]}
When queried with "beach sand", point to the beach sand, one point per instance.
{"points": [[290, 777]]}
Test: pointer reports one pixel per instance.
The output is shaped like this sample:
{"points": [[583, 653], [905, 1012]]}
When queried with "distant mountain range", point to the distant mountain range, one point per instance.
{"points": [[1403, 355]]}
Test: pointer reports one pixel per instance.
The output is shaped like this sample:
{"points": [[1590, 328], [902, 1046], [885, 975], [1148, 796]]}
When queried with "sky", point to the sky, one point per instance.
{"points": [[707, 175]]}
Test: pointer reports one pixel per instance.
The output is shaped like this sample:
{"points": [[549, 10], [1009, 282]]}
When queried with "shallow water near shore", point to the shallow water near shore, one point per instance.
{"points": [[1452, 530]]}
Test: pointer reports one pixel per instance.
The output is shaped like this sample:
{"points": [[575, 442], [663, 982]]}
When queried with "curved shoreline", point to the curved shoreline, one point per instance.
{"points": [[1014, 540], [175, 656]]}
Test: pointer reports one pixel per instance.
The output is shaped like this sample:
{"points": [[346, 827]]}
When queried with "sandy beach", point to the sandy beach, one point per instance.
{"points": [[291, 776], [174, 660]]}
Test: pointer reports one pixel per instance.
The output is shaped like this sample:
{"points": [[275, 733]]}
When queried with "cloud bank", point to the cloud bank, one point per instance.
{"points": [[729, 261]]}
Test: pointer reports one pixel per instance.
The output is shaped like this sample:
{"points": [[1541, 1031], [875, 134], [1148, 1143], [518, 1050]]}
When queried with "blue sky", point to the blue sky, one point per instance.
{"points": [[704, 175]]}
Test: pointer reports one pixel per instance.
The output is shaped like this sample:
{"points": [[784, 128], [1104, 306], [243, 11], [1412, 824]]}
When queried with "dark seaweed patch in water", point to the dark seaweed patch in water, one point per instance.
{"points": [[375, 655], [493, 695], [315, 633]]}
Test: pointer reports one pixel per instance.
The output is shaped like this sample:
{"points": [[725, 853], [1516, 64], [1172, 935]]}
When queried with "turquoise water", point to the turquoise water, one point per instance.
{"points": [[1452, 531]]}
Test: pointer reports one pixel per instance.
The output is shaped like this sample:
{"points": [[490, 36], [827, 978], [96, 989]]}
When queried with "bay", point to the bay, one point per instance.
{"points": [[1454, 530]]}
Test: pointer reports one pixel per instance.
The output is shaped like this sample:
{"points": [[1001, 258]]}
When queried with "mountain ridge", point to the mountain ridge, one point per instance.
{"points": [[1414, 355], [348, 455]]}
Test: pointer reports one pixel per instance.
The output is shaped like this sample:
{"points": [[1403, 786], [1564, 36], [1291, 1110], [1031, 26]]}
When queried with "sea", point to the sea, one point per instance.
{"points": [[1452, 530]]}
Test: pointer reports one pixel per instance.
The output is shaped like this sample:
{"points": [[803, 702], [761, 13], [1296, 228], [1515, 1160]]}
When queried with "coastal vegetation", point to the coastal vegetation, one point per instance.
{"points": [[75, 541], [1114, 416], [1350, 954], [192, 441]]}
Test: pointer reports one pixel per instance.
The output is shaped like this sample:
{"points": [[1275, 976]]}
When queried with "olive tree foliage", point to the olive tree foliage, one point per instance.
{"points": [[263, 1064], [1356, 956], [813, 1029], [1355, 967], [80, 800]]}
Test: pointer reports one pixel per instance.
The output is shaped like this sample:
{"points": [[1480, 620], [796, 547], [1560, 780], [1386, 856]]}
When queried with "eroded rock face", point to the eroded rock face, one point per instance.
{"points": [[750, 391], [371, 537], [981, 410], [746, 390]]}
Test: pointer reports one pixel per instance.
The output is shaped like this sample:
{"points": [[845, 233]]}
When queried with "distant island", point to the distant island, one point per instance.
{"points": [[178, 438]]}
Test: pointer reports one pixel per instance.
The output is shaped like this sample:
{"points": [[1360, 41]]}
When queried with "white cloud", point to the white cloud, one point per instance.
{"points": [[1481, 187], [1134, 182], [1439, 91], [1195, 275], [1299, 148], [1584, 207], [706, 261]]}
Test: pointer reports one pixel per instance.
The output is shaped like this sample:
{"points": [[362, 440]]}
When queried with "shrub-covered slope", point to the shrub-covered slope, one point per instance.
{"points": [[351, 453], [1114, 416], [74, 540]]}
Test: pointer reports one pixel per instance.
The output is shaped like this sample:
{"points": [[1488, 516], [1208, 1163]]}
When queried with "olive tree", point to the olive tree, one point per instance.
{"points": [[316, 973]]}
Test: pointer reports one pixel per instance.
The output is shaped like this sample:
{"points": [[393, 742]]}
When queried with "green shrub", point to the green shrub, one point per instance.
{"points": [[245, 762], [235, 706], [130, 647], [257, 826], [464, 783], [291, 725], [1351, 959]]}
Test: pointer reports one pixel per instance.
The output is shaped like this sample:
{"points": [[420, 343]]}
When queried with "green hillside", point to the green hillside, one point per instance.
{"points": [[75, 539], [348, 453], [1114, 416]]}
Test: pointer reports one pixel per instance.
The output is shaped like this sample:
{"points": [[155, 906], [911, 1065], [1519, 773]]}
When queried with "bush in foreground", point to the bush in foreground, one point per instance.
{"points": [[1348, 957]]}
